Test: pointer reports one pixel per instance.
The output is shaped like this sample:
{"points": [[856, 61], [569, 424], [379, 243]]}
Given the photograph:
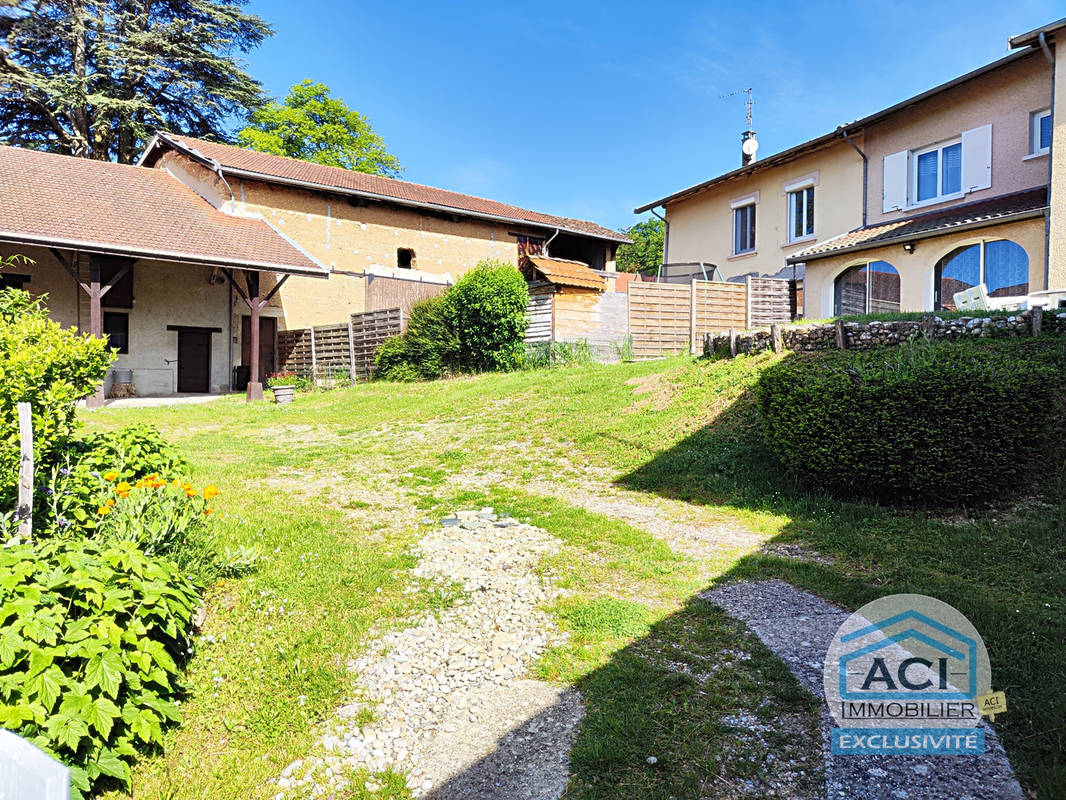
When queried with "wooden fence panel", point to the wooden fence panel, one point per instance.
{"points": [[294, 352], [719, 306], [384, 293], [539, 310], [368, 331], [671, 318], [770, 300]]}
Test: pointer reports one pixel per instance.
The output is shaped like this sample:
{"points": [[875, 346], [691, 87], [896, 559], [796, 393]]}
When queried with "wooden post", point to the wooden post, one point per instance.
{"points": [[1038, 319], [255, 386], [708, 343], [351, 353], [928, 321], [775, 336], [747, 302], [842, 339], [692, 317], [732, 342], [314, 358], [96, 324], [24, 511]]}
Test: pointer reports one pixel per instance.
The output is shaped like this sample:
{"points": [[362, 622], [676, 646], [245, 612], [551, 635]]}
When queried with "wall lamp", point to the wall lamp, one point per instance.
{"points": [[909, 246]]}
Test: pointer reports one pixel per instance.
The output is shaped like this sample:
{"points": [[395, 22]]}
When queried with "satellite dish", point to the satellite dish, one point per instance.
{"points": [[750, 146]]}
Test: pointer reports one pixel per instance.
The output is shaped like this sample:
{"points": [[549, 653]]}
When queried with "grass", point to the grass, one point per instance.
{"points": [[911, 316], [332, 489]]}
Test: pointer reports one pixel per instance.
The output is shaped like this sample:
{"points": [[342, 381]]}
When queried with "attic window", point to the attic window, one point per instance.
{"points": [[405, 258]]}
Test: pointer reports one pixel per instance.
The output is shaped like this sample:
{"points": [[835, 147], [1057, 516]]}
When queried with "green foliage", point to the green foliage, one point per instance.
{"points": [[487, 311], [98, 79], [427, 350], [541, 355], [942, 423], [313, 126], [605, 617], [92, 638], [301, 382], [48, 366], [133, 452], [646, 253]]}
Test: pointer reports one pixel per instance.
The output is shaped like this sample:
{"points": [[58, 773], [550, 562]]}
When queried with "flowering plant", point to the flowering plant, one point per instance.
{"points": [[287, 379]]}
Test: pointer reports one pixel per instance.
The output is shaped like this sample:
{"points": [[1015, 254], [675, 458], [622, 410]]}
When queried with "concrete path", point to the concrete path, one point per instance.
{"points": [[798, 627]]}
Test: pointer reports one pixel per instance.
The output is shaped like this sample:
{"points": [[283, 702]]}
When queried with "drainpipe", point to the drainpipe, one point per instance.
{"points": [[1050, 154], [548, 244], [666, 243], [865, 170]]}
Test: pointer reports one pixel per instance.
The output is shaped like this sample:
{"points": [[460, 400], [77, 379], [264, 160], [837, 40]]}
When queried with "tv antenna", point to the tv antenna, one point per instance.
{"points": [[749, 144], [749, 103]]}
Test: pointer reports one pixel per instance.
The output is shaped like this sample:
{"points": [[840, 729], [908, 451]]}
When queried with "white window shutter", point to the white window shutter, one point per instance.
{"points": [[894, 187], [977, 159]]}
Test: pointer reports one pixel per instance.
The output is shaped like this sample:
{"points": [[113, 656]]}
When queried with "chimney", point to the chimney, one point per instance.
{"points": [[748, 147]]}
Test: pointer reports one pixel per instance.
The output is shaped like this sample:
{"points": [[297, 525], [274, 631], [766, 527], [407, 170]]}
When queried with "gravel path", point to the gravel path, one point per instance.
{"points": [[452, 706], [798, 626]]}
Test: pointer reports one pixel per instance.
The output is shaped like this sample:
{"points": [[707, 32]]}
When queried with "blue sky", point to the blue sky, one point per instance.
{"points": [[589, 109]]}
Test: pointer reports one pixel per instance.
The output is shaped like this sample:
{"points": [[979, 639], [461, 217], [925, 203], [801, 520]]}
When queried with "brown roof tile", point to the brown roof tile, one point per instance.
{"points": [[563, 273], [978, 214], [62, 201], [268, 166]]}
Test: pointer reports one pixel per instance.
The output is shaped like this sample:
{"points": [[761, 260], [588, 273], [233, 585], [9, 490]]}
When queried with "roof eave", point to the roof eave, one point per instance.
{"points": [[1017, 216], [103, 248], [323, 187], [1033, 37]]}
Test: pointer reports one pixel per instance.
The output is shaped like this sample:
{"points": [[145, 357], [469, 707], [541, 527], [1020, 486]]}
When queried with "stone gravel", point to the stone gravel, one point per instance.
{"points": [[798, 627], [453, 708]]}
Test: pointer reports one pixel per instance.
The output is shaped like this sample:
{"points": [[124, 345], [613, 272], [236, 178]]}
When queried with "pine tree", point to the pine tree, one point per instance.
{"points": [[95, 78]]}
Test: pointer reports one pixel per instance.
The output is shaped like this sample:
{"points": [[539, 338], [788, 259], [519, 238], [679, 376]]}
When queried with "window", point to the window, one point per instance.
{"points": [[744, 229], [405, 258], [800, 213], [1001, 265], [1040, 132], [121, 294], [866, 288], [117, 330], [9, 280], [937, 173]]}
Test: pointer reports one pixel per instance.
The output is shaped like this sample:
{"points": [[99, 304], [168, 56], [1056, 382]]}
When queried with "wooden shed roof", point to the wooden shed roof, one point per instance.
{"points": [[562, 272]]}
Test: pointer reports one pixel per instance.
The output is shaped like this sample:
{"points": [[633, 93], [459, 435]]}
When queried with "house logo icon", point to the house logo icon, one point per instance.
{"points": [[903, 675]]}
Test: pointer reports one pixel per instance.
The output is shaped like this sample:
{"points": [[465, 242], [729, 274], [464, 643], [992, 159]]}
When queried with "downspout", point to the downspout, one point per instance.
{"points": [[217, 168], [1050, 158], [666, 243], [548, 244], [865, 170]]}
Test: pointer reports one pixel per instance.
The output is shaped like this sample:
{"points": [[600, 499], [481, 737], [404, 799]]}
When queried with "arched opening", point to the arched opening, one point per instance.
{"points": [[866, 288], [1001, 265]]}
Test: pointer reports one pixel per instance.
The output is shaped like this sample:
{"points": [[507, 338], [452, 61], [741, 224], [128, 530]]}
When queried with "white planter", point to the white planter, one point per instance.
{"points": [[283, 394]]}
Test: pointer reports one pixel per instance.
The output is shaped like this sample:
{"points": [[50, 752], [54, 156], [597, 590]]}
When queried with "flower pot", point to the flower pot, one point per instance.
{"points": [[283, 394]]}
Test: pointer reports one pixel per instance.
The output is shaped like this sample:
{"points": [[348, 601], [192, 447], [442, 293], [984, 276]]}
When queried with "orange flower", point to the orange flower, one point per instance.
{"points": [[110, 476], [110, 502], [208, 511], [123, 495], [211, 491], [103, 511]]}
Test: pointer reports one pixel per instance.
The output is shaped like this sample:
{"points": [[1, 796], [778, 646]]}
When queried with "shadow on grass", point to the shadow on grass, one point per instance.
{"points": [[1005, 570]]}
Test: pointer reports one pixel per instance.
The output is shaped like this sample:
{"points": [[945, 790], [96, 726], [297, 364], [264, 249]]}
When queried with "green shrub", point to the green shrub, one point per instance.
{"points": [[92, 638], [940, 423], [51, 368], [487, 311], [133, 451], [427, 349]]}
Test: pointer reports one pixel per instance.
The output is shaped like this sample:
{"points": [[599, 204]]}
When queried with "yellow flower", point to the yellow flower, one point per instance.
{"points": [[211, 491], [208, 511], [103, 511], [110, 502], [110, 476], [122, 487]]}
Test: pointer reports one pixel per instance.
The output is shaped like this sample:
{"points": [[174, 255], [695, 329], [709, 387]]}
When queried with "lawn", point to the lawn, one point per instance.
{"points": [[335, 488]]}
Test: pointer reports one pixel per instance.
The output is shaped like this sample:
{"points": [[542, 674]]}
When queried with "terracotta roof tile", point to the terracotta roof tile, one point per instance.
{"points": [[1028, 203], [304, 172], [62, 201], [563, 273]]}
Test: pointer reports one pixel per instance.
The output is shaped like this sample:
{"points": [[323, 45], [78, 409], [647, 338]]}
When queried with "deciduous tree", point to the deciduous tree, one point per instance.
{"points": [[646, 253]]}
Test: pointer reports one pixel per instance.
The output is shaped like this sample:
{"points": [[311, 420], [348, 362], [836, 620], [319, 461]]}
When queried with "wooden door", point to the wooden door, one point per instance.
{"points": [[194, 361], [268, 329]]}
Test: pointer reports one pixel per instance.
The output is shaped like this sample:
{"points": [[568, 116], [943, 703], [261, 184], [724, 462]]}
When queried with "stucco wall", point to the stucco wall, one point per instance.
{"points": [[1057, 231], [701, 227], [1003, 98], [164, 294], [917, 269]]}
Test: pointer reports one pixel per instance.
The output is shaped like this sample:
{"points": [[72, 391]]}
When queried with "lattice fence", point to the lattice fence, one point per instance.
{"points": [[339, 352]]}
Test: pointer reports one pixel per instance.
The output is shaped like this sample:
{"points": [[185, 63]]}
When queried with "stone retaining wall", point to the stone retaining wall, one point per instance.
{"points": [[865, 335]]}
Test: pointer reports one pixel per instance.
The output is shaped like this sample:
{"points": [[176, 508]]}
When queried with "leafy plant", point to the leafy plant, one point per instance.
{"points": [[93, 636], [300, 382], [50, 367], [487, 311], [944, 423], [133, 451], [427, 350]]}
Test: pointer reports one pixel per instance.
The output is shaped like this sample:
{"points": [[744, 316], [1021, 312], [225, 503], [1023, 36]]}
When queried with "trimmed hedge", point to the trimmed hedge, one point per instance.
{"points": [[936, 423]]}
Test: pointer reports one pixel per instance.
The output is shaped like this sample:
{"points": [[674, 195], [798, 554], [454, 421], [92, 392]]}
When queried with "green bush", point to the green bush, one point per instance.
{"points": [[92, 638], [428, 348], [133, 451], [487, 311], [51, 368], [939, 423]]}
